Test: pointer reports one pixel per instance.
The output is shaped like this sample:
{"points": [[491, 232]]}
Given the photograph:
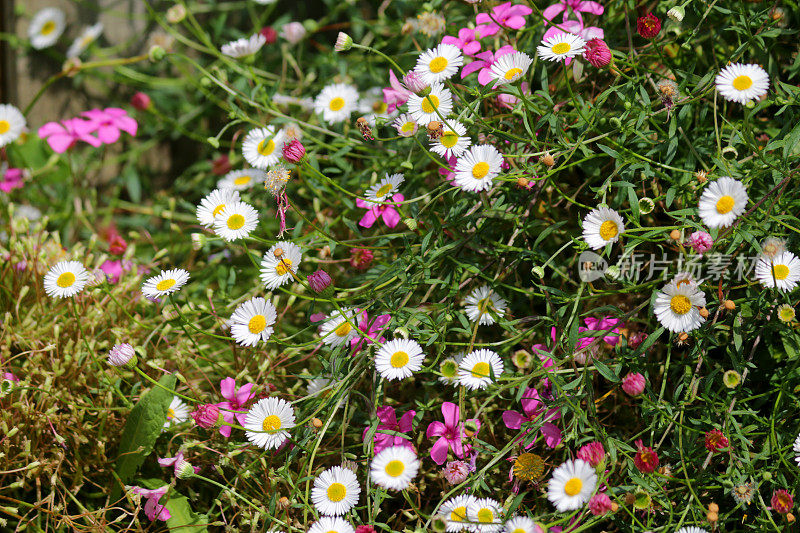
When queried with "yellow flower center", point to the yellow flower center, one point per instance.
{"points": [[786, 314], [383, 191], [529, 466], [573, 486], [257, 324], [430, 103], [513, 73], [336, 104], [608, 230], [394, 468], [271, 423], [560, 48], [380, 107], [725, 204], [485, 516], [337, 492], [480, 370], [4, 126], [243, 180], [480, 170], [485, 304], [459, 514], [449, 139], [343, 329], [48, 27], [218, 209], [779, 271], [235, 222], [165, 284], [282, 268], [65, 280], [408, 126], [170, 413], [399, 359], [680, 304], [266, 147], [518, 530], [438, 64], [742, 83]]}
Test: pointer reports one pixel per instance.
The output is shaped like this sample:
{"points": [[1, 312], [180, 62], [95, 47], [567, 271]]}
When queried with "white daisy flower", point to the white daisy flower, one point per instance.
{"points": [[165, 283], [677, 306], [521, 524], [279, 263], [211, 205], [561, 46], [394, 467], [399, 359], [235, 221], [572, 485], [65, 279], [453, 142], [245, 46], [252, 321], [177, 413], [691, 529], [438, 64], [481, 303], [339, 328], [336, 102], [46, 27], [240, 180], [434, 106], [722, 201], [384, 189], [331, 524], [405, 125], [485, 513], [781, 272], [742, 83], [12, 124], [262, 147], [476, 369], [82, 42], [267, 422], [510, 67], [477, 167], [602, 226], [454, 512], [335, 491], [796, 449]]}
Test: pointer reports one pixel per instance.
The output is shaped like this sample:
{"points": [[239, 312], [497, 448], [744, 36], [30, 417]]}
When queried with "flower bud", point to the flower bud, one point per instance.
{"points": [[207, 415], [343, 42], [293, 32], [633, 384], [599, 504], [269, 34], [294, 151], [184, 469], [122, 355], [593, 453], [319, 281], [648, 26], [140, 101], [414, 82], [456, 472], [176, 13], [198, 240], [156, 53], [676, 13], [597, 53]]}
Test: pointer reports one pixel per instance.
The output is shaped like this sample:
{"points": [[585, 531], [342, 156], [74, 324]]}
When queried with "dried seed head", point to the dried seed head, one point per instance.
{"points": [[730, 305], [435, 130], [704, 312], [675, 235], [548, 160], [278, 252]]}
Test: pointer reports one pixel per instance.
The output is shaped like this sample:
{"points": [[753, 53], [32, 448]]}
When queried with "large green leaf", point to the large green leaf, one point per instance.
{"points": [[142, 429], [183, 518]]}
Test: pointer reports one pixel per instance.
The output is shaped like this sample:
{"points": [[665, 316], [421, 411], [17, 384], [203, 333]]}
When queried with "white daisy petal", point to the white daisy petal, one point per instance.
{"points": [[722, 202], [384, 189], [678, 304], [602, 226], [477, 167], [572, 485], [252, 321], [561, 46], [742, 83], [46, 27], [435, 106], [335, 491], [336, 102], [331, 524], [165, 283], [267, 422], [65, 279], [477, 369], [781, 272], [485, 515], [521, 524], [481, 303], [339, 328], [211, 205], [394, 467], [510, 67], [399, 359], [177, 413], [280, 263], [438, 64], [82, 42], [262, 147], [245, 46], [454, 512], [235, 221], [240, 180], [453, 142], [12, 124]]}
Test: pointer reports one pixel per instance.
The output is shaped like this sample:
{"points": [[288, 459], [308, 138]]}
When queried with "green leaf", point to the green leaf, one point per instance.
{"points": [[142, 428], [606, 372], [183, 518]]}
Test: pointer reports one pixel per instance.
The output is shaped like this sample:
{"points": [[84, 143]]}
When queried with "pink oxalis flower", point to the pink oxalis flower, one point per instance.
{"points": [[467, 41], [389, 422], [153, 509], [236, 401], [61, 136], [387, 212], [450, 434], [533, 409], [108, 123], [373, 328], [505, 15]]}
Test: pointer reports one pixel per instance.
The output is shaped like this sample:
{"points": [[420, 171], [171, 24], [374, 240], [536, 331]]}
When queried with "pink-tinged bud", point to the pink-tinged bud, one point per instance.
{"points": [[646, 459], [648, 26], [319, 281], [122, 355], [782, 501], [600, 504], [633, 384], [206, 415], [117, 245], [414, 82], [294, 151], [593, 453], [716, 441], [700, 241], [293, 32], [456, 472], [269, 34], [636, 339], [140, 101], [365, 529], [360, 258], [221, 165], [597, 53]]}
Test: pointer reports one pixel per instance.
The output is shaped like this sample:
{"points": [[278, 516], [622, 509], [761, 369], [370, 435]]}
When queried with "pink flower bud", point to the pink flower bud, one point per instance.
{"points": [[456, 472], [140, 101], [122, 355], [293, 32], [294, 151], [360, 258], [648, 26], [646, 459], [700, 241], [593, 453], [414, 82], [319, 281], [715, 441], [782, 501], [206, 415], [269, 34], [365, 529], [600, 504], [597, 53], [633, 384], [636, 339]]}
